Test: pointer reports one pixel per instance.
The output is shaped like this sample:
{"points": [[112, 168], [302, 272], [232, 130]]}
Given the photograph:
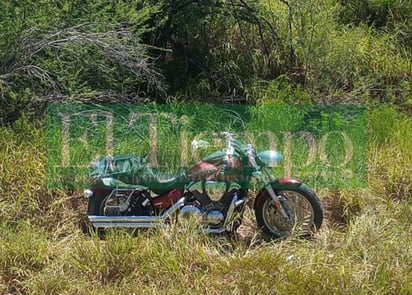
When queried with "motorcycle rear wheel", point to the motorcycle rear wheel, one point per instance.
{"points": [[303, 207], [94, 207]]}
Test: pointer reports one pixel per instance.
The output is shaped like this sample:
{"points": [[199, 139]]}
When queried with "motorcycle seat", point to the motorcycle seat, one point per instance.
{"points": [[160, 181]]}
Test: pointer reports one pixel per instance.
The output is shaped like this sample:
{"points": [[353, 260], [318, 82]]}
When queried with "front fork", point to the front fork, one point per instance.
{"points": [[278, 204], [266, 180]]}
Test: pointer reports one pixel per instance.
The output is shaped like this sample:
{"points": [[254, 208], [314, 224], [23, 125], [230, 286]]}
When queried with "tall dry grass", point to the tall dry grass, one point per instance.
{"points": [[364, 247]]}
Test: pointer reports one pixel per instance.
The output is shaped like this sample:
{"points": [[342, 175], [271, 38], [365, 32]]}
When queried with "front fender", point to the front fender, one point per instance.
{"points": [[278, 185]]}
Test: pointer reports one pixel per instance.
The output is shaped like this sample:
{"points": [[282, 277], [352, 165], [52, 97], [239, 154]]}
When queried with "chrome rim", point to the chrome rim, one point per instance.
{"points": [[297, 207]]}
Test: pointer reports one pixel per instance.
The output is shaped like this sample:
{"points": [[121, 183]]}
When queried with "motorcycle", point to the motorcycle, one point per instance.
{"points": [[126, 191]]}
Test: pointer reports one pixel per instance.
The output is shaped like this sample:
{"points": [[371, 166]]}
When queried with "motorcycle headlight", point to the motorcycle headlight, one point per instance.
{"points": [[270, 158]]}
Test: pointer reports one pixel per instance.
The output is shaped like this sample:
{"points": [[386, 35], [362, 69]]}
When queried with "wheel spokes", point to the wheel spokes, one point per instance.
{"points": [[299, 210]]}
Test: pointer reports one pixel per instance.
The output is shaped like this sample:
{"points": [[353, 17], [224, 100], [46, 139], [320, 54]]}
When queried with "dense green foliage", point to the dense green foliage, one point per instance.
{"points": [[211, 51], [237, 51]]}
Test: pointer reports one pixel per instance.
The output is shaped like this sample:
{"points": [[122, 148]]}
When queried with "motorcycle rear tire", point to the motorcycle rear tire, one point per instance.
{"points": [[94, 208]]}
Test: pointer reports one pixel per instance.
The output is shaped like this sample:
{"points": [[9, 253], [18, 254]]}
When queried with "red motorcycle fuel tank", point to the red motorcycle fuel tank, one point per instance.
{"points": [[211, 169], [204, 171]]}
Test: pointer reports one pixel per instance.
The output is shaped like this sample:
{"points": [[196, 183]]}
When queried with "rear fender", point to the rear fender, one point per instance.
{"points": [[278, 185]]}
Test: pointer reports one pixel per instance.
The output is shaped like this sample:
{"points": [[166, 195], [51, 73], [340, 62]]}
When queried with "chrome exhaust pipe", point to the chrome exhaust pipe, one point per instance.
{"points": [[129, 219], [123, 224], [135, 221]]}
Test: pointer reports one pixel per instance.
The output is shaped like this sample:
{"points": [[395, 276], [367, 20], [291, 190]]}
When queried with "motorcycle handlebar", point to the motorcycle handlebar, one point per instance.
{"points": [[232, 145], [235, 144], [246, 150]]}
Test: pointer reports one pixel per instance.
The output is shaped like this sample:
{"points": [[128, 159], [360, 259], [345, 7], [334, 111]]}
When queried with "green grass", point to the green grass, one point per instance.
{"points": [[363, 248]]}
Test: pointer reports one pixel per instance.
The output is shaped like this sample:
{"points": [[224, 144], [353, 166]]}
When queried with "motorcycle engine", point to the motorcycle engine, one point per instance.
{"points": [[210, 202], [123, 202]]}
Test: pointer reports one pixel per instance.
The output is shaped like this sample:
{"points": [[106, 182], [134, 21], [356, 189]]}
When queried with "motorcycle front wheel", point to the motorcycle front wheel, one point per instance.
{"points": [[302, 206]]}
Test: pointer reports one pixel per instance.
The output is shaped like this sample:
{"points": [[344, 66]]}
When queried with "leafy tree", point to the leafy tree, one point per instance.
{"points": [[77, 53], [214, 47]]}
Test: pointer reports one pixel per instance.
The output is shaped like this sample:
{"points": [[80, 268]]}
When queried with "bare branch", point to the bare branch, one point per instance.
{"points": [[117, 44]]}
